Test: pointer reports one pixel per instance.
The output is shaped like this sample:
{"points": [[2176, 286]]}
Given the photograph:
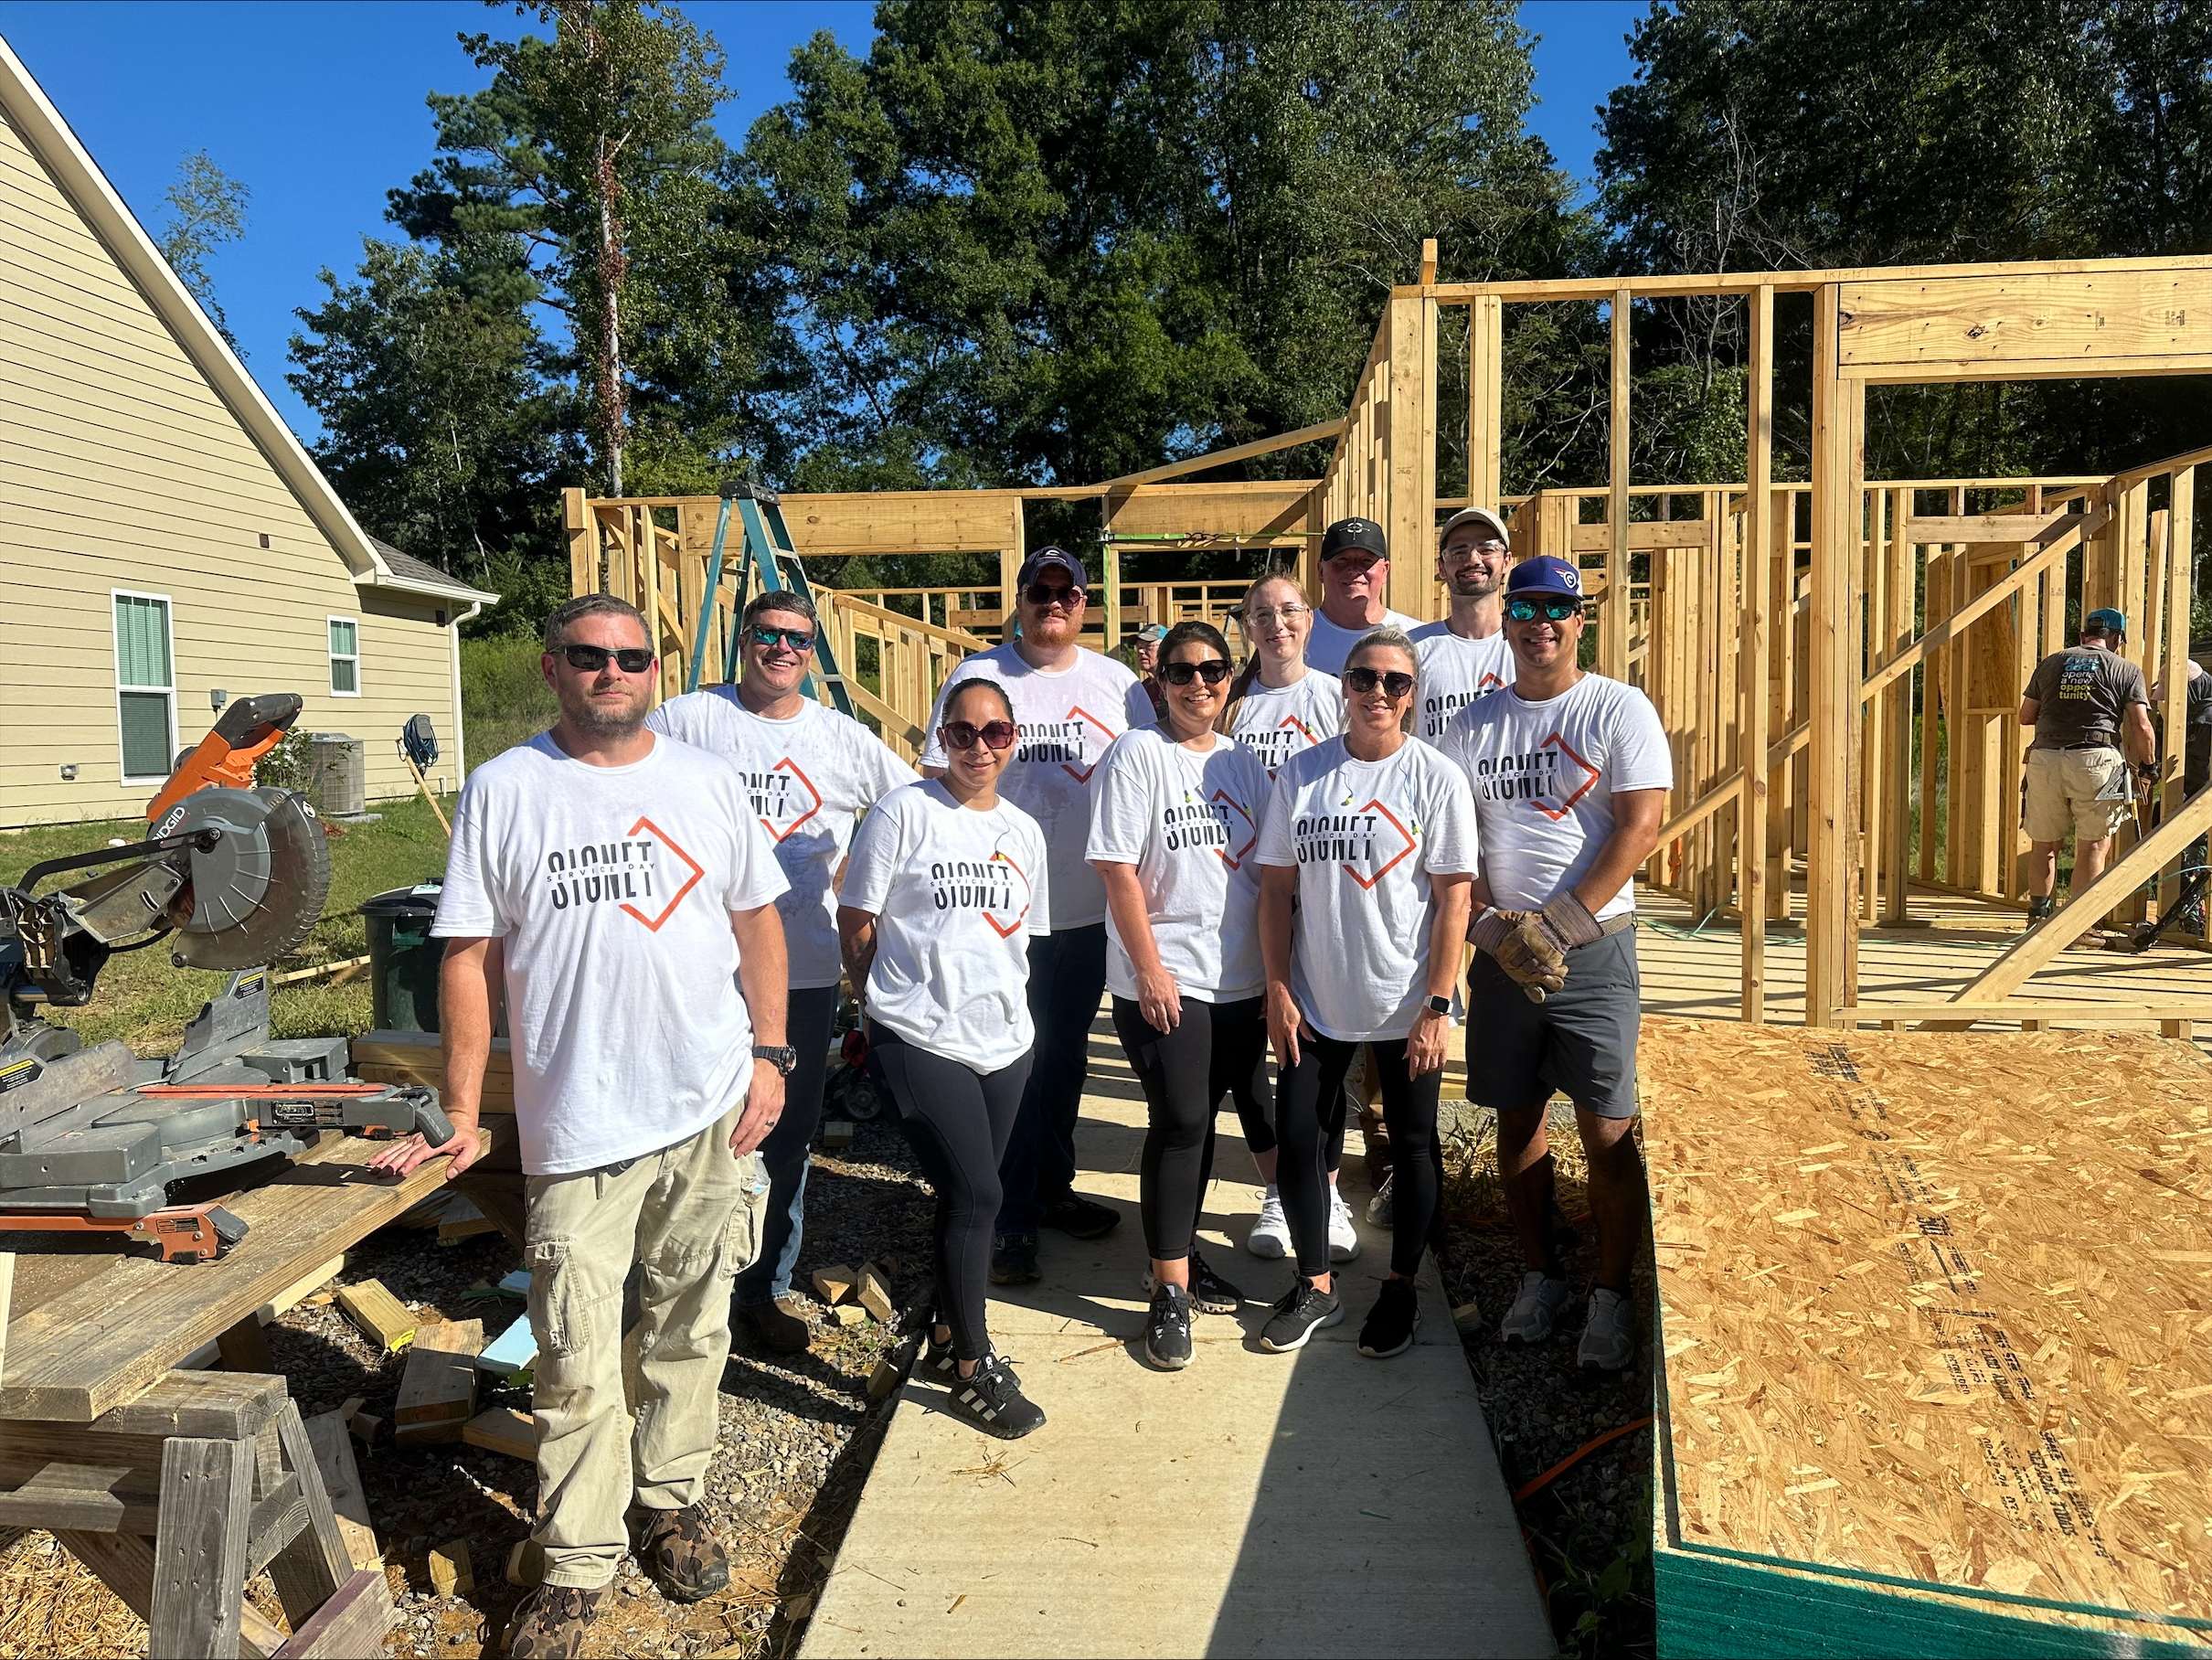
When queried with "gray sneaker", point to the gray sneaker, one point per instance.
{"points": [[1536, 1311], [1608, 1341]]}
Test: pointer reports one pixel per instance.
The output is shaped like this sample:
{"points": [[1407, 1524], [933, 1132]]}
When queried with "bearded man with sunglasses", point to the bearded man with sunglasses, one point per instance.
{"points": [[1069, 705], [811, 771], [1570, 773], [615, 886]]}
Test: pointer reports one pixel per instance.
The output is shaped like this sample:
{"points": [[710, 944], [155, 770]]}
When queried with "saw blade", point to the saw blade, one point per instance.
{"points": [[261, 892]]}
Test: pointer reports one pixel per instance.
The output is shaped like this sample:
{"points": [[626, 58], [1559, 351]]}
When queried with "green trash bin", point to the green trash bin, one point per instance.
{"points": [[403, 958]]}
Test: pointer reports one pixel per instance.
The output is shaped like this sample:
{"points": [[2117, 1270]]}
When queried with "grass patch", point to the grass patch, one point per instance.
{"points": [[503, 695], [145, 1001]]}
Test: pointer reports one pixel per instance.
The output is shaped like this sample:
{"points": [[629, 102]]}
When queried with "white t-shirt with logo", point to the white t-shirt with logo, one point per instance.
{"points": [[955, 894], [1365, 837], [809, 777], [1067, 717], [1329, 645], [1276, 722], [1190, 824], [611, 890], [1544, 776], [1454, 673]]}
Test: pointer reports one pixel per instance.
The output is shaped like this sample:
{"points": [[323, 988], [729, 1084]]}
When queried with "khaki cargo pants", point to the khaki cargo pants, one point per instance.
{"points": [[689, 1218]]}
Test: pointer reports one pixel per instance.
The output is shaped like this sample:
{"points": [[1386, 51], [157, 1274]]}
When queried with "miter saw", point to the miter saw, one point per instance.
{"points": [[233, 876]]}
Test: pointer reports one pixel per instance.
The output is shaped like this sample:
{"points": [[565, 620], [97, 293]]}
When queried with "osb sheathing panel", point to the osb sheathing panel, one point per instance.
{"points": [[1938, 1305]]}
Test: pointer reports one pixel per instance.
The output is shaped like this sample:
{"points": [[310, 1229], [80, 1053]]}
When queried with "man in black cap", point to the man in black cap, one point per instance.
{"points": [[2092, 721], [1069, 703], [1355, 575]]}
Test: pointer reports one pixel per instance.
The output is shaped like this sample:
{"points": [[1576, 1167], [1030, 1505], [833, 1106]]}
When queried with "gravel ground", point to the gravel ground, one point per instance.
{"points": [[1589, 1527], [798, 1434]]}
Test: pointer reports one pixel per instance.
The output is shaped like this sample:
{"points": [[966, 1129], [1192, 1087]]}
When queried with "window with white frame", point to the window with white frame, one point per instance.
{"points": [[146, 686], [344, 657]]}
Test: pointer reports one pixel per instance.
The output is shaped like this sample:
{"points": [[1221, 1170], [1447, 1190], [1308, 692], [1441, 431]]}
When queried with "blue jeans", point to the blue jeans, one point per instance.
{"points": [[1067, 978], [786, 1154]]}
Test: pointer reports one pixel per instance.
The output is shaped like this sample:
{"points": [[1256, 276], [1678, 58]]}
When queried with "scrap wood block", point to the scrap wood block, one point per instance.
{"points": [[504, 1430], [848, 1314], [327, 1432], [837, 1133], [835, 1283], [1933, 1309], [308, 1288], [875, 1295], [439, 1385], [367, 1426], [449, 1571], [384, 1319], [527, 1564]]}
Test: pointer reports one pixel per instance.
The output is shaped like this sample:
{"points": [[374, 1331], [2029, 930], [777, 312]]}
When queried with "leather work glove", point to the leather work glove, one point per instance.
{"points": [[1517, 942], [1568, 923]]}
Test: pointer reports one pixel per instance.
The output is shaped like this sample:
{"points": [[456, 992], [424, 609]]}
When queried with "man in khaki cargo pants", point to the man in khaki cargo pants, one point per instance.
{"points": [[618, 887], [2093, 723]]}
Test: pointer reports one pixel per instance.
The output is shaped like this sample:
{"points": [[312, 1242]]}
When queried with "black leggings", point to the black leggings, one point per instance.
{"points": [[958, 1122], [1215, 1050], [1310, 1113]]}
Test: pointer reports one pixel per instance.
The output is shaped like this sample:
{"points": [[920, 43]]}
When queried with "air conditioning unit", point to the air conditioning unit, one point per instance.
{"points": [[341, 775]]}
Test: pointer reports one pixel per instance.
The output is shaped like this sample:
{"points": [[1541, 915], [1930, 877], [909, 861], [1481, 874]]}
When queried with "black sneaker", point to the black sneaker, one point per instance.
{"points": [[1305, 1308], [1014, 1258], [941, 1365], [1080, 1219], [1209, 1292], [1168, 1328], [992, 1401], [1391, 1322]]}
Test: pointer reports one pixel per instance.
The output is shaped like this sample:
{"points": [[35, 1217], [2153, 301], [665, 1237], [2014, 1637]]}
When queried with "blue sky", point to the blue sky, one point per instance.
{"points": [[318, 107]]}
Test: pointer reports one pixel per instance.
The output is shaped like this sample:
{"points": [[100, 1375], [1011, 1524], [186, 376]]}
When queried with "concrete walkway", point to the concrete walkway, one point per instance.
{"points": [[1318, 1503]]}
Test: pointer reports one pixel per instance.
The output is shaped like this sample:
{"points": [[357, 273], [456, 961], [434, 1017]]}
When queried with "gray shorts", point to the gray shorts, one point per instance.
{"points": [[1580, 1040]]}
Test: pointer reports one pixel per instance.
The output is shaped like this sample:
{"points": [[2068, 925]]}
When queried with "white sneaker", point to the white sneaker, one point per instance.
{"points": [[1343, 1239], [1534, 1311], [1608, 1341], [1270, 1235]]}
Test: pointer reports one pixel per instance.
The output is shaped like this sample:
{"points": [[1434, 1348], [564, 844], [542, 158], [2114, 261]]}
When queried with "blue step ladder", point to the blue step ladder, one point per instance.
{"points": [[766, 558]]}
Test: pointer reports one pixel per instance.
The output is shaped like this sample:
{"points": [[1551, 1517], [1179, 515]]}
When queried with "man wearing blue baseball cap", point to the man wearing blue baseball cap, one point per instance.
{"points": [[2092, 720], [1570, 773]]}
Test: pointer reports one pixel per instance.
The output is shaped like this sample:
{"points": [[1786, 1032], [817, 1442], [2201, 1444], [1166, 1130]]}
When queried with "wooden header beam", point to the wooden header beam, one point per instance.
{"points": [[1750, 282]]}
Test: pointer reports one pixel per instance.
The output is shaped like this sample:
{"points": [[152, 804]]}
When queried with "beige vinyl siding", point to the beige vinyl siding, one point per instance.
{"points": [[121, 468]]}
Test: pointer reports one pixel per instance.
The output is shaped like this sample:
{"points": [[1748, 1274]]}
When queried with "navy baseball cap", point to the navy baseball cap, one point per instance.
{"points": [[1543, 574], [1052, 558], [2105, 620], [1347, 534]]}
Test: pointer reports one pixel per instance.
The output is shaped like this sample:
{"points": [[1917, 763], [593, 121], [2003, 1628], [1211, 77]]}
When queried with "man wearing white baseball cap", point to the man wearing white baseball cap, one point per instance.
{"points": [[1465, 656], [1570, 773]]}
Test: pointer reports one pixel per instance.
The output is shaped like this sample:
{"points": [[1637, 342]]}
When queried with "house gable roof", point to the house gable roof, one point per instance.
{"points": [[420, 576], [106, 214]]}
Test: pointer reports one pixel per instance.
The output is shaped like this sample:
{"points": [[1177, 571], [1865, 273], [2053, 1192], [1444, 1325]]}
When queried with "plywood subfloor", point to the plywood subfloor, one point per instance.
{"points": [[1940, 1306]]}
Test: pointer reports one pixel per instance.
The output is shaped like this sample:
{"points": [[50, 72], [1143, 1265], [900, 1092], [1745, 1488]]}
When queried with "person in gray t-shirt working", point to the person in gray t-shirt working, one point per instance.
{"points": [[2092, 721]]}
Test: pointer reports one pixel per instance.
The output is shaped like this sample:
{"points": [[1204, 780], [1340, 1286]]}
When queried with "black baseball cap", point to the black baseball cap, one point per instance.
{"points": [[1052, 558], [1347, 534]]}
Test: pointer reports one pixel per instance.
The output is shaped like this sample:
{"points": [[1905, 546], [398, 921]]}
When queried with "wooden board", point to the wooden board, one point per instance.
{"points": [[327, 1432], [1934, 1307], [419, 1057], [504, 1430], [438, 1391], [105, 1325], [2091, 320]]}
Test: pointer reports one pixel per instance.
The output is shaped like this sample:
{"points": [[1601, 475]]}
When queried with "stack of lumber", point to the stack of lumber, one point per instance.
{"points": [[438, 1391], [419, 1057], [1934, 1312]]}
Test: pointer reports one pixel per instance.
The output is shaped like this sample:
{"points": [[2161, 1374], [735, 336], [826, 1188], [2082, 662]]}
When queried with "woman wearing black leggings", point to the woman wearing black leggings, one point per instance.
{"points": [[1174, 820], [1372, 836], [944, 886]]}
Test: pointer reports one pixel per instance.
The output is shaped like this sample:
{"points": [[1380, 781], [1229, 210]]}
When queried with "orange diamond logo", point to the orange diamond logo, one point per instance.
{"points": [[1391, 863], [698, 875]]}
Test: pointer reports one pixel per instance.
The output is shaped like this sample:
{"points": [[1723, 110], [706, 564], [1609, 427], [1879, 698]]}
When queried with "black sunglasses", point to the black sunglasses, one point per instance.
{"points": [[1213, 671], [591, 659], [1395, 684], [1048, 594], [1552, 611], [798, 641], [962, 734]]}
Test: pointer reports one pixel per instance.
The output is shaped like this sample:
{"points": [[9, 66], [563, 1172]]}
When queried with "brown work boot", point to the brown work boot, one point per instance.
{"points": [[682, 1554], [776, 1326], [550, 1623]]}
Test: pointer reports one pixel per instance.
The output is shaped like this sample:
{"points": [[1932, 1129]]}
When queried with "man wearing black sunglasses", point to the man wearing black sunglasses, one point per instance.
{"points": [[810, 773], [1069, 703], [1570, 773], [613, 885]]}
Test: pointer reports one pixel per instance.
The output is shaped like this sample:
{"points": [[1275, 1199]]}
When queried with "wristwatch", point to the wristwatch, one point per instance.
{"points": [[1439, 1006], [784, 1057]]}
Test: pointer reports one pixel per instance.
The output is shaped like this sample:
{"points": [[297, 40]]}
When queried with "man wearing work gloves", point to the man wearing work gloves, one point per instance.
{"points": [[616, 887], [1570, 773]]}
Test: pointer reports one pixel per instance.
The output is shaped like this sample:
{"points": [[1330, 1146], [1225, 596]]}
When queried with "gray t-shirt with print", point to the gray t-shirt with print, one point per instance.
{"points": [[2082, 694]]}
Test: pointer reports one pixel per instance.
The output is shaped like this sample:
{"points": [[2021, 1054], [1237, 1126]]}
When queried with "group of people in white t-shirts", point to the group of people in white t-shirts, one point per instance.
{"points": [[1279, 862]]}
